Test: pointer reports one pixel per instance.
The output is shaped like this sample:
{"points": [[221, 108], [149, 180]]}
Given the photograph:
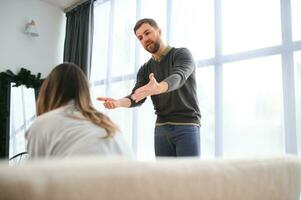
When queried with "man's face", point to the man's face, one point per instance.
{"points": [[149, 37]]}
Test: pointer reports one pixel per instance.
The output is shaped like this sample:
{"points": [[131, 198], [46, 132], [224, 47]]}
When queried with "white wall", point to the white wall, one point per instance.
{"points": [[38, 54]]}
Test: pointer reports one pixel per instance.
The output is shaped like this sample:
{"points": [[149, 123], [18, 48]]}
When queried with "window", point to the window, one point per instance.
{"points": [[100, 42], [150, 9], [249, 25], [22, 113], [98, 91], [123, 117], [297, 70], [296, 19], [253, 107], [205, 84], [155, 9], [193, 29], [145, 131], [123, 41], [242, 76]]}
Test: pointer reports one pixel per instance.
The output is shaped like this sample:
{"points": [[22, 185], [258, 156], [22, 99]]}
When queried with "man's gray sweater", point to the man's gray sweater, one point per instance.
{"points": [[180, 103]]}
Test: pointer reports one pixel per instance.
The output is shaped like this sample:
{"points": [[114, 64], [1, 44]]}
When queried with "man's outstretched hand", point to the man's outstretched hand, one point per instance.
{"points": [[151, 88], [108, 103]]}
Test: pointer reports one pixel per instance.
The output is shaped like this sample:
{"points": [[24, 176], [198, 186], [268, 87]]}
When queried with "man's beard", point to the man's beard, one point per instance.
{"points": [[153, 47]]}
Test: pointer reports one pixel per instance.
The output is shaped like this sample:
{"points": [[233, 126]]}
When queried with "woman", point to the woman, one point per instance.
{"points": [[67, 123]]}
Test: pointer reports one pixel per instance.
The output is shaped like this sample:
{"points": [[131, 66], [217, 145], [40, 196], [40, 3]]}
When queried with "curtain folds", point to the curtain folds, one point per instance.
{"points": [[79, 36]]}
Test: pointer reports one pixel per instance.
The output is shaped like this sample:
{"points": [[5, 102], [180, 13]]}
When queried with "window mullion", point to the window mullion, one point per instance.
{"points": [[218, 79], [288, 79]]}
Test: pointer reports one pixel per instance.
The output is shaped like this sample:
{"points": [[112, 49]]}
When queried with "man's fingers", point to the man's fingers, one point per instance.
{"points": [[141, 90], [140, 93], [101, 98], [139, 99], [104, 99], [151, 76], [139, 96], [109, 104], [145, 90]]}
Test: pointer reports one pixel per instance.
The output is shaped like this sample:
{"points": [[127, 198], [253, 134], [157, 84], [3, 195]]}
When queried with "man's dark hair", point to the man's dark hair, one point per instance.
{"points": [[149, 21]]}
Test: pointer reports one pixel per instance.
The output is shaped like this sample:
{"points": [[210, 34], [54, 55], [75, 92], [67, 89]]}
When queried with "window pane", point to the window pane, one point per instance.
{"points": [[155, 9], [17, 143], [100, 41], [20, 142], [205, 84], [192, 26], [122, 116], [123, 41], [250, 24], [17, 122], [253, 108], [17, 107], [297, 70], [98, 91], [150, 9], [30, 103], [146, 125], [296, 19], [22, 114]]}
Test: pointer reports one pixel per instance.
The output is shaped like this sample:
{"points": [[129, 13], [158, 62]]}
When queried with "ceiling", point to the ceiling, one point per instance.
{"points": [[63, 4]]}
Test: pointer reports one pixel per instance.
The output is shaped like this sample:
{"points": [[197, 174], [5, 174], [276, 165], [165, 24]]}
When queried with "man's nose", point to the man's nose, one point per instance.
{"points": [[144, 41]]}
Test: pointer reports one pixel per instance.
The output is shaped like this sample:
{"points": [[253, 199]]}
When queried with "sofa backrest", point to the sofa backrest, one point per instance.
{"points": [[277, 178]]}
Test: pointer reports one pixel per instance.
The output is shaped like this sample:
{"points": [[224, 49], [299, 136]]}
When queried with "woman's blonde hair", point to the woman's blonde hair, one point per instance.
{"points": [[67, 82]]}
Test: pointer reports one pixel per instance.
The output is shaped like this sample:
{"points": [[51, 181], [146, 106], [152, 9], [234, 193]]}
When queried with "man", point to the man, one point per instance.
{"points": [[169, 79]]}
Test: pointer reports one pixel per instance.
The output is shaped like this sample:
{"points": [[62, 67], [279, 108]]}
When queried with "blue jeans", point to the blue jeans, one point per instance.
{"points": [[177, 140]]}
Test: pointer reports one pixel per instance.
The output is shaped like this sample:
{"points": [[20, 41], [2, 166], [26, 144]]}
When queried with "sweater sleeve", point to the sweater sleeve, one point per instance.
{"points": [[183, 67]]}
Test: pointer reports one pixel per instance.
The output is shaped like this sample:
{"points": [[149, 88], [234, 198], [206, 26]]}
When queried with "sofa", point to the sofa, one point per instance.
{"points": [[91, 178]]}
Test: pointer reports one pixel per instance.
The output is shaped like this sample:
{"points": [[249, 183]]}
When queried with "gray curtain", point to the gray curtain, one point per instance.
{"points": [[79, 36]]}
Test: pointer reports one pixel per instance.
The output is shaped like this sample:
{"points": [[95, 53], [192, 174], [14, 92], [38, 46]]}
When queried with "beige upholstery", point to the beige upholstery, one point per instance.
{"points": [[183, 179]]}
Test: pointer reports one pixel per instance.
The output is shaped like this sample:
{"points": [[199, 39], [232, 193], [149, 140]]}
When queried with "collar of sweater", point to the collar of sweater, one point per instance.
{"points": [[163, 54]]}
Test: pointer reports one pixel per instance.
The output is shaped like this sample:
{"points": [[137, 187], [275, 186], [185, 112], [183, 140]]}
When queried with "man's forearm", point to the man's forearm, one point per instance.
{"points": [[174, 82], [124, 102]]}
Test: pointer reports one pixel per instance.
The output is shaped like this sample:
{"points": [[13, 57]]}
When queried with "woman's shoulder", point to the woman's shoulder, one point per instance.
{"points": [[58, 113], [48, 119], [51, 115]]}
